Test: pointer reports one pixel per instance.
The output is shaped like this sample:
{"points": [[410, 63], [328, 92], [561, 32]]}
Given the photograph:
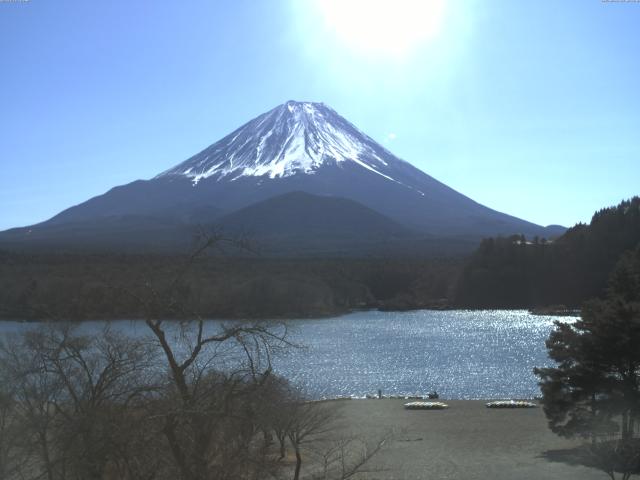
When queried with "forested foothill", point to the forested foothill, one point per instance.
{"points": [[504, 272], [77, 287], [515, 272]]}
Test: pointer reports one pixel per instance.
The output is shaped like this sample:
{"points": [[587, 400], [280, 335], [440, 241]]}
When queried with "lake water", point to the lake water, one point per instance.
{"points": [[461, 354]]}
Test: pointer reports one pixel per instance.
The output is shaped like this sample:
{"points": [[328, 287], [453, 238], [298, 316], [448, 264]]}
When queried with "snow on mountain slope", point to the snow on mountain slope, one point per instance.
{"points": [[296, 147], [293, 138]]}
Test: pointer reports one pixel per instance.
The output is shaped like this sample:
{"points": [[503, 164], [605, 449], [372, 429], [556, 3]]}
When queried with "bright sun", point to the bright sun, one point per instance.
{"points": [[392, 27]]}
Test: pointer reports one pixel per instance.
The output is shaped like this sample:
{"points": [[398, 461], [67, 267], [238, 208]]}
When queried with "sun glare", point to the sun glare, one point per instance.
{"points": [[383, 26]]}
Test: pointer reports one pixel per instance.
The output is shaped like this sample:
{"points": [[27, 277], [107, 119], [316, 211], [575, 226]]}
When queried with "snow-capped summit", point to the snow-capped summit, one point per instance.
{"points": [[293, 138], [298, 167]]}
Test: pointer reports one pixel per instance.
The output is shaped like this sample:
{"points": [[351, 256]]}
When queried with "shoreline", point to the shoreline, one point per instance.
{"points": [[466, 441], [424, 398], [531, 311]]}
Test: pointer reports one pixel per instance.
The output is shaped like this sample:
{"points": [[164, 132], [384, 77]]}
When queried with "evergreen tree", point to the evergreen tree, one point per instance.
{"points": [[594, 391]]}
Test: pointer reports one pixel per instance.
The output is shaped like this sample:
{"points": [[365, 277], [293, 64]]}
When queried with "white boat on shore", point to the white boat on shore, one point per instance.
{"points": [[425, 406], [511, 404]]}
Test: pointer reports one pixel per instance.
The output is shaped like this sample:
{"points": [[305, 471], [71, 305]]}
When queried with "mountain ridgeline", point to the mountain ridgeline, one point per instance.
{"points": [[510, 272], [301, 178]]}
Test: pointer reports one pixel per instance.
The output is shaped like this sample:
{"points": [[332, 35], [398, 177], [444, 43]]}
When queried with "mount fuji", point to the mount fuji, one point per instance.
{"points": [[299, 174]]}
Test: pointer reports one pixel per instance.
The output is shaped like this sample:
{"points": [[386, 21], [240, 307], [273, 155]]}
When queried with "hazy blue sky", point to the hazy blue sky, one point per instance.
{"points": [[529, 107]]}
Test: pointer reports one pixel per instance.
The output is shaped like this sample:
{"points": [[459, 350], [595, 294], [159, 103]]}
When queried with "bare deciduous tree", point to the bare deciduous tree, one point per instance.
{"points": [[191, 400], [348, 456], [72, 394]]}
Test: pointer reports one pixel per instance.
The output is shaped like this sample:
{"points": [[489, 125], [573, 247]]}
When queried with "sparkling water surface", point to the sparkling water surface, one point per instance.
{"points": [[461, 354]]}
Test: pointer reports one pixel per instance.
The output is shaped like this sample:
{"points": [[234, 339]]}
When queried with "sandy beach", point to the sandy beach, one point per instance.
{"points": [[467, 441]]}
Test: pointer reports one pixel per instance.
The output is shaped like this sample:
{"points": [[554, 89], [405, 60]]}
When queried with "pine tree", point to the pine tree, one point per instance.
{"points": [[594, 391]]}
